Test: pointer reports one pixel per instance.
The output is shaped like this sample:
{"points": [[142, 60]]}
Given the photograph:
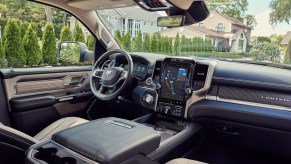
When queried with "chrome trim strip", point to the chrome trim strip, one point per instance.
{"points": [[201, 93], [251, 104]]}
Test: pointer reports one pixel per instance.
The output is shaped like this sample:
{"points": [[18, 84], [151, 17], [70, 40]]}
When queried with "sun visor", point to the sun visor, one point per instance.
{"points": [[100, 4]]}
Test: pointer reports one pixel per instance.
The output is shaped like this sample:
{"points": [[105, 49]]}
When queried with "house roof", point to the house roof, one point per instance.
{"points": [[233, 20], [191, 30], [131, 12], [286, 38], [207, 32]]}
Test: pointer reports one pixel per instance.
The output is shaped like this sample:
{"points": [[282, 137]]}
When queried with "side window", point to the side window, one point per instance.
{"points": [[30, 34]]}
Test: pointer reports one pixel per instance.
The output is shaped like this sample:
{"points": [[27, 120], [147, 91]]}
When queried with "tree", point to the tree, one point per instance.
{"points": [[49, 50], [118, 37], [126, 42], [78, 34], [3, 61], [233, 8], [137, 45], [90, 42], [154, 43], [31, 47], [287, 59], [65, 34], [251, 20], [280, 11], [146, 43], [276, 39], [177, 45], [23, 28], [13, 45], [262, 39]]}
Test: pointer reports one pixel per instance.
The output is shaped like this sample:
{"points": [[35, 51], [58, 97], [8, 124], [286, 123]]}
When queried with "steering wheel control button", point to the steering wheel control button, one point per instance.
{"points": [[158, 86], [188, 91], [149, 81]]}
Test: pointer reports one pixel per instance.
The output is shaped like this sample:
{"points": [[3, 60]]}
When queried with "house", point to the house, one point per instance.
{"points": [[131, 19], [225, 33], [286, 38]]}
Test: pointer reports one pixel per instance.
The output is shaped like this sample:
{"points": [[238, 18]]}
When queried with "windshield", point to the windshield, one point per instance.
{"points": [[238, 30]]}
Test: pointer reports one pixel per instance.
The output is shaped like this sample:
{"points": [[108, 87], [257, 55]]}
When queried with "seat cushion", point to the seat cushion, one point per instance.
{"points": [[184, 161], [59, 125]]}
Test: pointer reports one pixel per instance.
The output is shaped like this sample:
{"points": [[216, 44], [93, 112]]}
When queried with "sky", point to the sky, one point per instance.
{"points": [[261, 10]]}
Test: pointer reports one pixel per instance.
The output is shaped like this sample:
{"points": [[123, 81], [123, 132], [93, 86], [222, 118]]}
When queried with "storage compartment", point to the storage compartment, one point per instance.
{"points": [[53, 153], [178, 136], [109, 140]]}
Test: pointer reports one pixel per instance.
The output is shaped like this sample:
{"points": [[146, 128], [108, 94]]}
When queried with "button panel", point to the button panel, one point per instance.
{"points": [[170, 109]]}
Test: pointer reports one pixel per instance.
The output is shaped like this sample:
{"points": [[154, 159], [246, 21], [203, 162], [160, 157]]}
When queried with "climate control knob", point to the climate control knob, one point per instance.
{"points": [[188, 91], [149, 98]]}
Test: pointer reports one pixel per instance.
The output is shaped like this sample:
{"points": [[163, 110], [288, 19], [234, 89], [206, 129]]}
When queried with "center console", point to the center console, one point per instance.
{"points": [[174, 85], [107, 140]]}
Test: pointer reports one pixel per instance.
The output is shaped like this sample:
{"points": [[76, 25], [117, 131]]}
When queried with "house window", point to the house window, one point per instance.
{"points": [[144, 23], [220, 27], [241, 44], [136, 27], [152, 24], [242, 35], [123, 27], [130, 26], [201, 25]]}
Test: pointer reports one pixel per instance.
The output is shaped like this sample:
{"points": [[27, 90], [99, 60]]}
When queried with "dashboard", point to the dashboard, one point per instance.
{"points": [[183, 87]]}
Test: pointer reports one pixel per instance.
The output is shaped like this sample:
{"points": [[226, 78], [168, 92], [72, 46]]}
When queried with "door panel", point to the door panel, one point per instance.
{"points": [[37, 99]]}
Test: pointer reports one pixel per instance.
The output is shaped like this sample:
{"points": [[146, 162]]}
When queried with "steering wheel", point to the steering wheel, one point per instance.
{"points": [[105, 83]]}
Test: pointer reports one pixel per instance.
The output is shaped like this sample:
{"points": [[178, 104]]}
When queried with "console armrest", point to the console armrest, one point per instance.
{"points": [[109, 140]]}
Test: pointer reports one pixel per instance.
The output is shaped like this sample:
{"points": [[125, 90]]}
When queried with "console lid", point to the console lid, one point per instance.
{"points": [[109, 140]]}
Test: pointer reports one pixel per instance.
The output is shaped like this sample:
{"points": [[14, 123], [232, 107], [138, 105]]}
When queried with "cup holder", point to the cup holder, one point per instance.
{"points": [[50, 156]]}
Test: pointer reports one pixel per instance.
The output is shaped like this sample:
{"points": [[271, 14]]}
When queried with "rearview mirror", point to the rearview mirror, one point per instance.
{"points": [[74, 52], [171, 21]]}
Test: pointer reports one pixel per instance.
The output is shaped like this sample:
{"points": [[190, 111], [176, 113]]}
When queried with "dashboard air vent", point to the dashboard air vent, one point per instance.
{"points": [[200, 72], [158, 68], [200, 75]]}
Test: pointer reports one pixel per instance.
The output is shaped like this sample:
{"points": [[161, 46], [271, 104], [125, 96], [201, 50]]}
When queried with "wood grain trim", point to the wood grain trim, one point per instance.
{"points": [[38, 86]]}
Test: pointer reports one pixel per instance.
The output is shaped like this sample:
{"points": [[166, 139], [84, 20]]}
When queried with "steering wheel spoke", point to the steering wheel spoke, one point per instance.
{"points": [[102, 89], [98, 73]]}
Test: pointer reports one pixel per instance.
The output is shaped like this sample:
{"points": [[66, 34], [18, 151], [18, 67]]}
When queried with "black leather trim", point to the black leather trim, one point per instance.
{"points": [[107, 142], [252, 76], [32, 102], [251, 115], [14, 139], [13, 72], [190, 130]]}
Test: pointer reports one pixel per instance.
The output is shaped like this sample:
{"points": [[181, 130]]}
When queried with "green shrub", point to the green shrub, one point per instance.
{"points": [[154, 43], [146, 43], [49, 50], [3, 61], [65, 34], [137, 43], [13, 46], [126, 42], [118, 37], [177, 45], [31, 47], [78, 34], [23, 28], [90, 42]]}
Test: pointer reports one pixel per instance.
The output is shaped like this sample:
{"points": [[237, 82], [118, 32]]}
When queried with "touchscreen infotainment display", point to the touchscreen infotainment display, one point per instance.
{"points": [[173, 82]]}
